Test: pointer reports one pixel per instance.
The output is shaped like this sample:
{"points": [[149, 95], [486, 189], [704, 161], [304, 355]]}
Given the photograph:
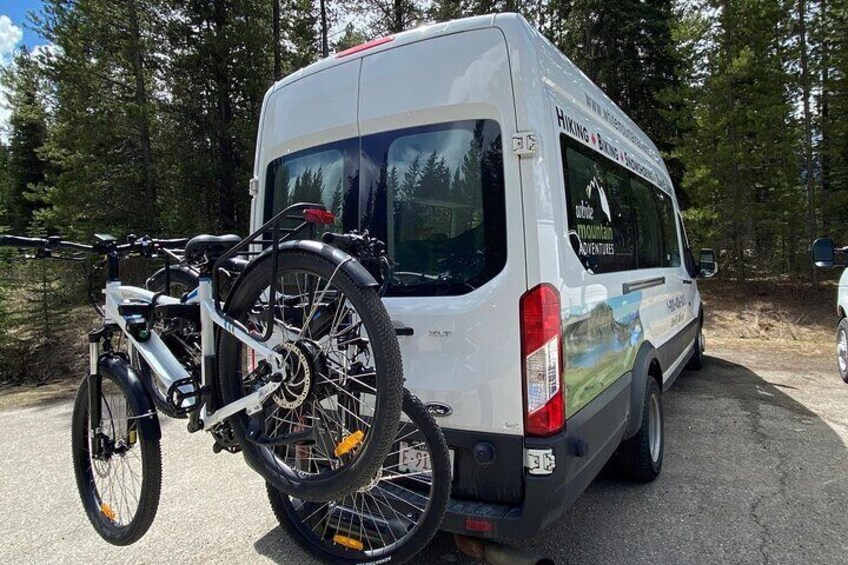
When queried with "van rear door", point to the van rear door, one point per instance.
{"points": [[441, 186]]}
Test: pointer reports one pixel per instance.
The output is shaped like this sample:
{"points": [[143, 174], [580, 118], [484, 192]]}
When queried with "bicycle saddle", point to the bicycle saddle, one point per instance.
{"points": [[207, 248]]}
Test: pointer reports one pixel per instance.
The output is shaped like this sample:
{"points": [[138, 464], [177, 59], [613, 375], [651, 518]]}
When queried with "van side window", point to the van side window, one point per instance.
{"points": [[617, 221], [600, 215], [671, 246], [649, 226]]}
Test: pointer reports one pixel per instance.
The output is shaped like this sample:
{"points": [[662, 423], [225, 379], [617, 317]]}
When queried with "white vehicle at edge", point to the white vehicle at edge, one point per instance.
{"points": [[828, 256], [544, 288]]}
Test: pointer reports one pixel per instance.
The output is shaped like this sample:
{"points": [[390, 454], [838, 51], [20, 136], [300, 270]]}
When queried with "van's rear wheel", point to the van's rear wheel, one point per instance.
{"points": [[842, 348], [641, 456]]}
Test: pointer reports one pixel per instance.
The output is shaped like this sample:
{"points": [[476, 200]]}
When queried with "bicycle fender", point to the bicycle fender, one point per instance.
{"points": [[349, 264], [120, 370]]}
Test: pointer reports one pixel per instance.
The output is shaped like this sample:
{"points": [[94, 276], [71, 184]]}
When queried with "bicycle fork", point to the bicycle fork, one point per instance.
{"points": [[94, 387]]}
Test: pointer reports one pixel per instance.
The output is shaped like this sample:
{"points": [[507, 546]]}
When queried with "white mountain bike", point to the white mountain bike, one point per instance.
{"points": [[283, 351]]}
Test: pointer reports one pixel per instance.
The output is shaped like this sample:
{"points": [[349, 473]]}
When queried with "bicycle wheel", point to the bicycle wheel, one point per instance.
{"points": [[319, 436], [392, 518], [120, 489]]}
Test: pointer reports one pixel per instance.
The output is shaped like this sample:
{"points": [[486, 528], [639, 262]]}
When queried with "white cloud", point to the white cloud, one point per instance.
{"points": [[10, 36]]}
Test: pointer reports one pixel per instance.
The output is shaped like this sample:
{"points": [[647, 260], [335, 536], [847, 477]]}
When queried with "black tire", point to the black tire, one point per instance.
{"points": [[842, 348], [355, 469], [297, 521], [125, 529], [696, 362], [182, 280], [636, 457]]}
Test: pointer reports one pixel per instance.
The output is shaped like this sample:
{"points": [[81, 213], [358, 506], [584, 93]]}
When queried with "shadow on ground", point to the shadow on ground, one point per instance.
{"points": [[751, 475]]}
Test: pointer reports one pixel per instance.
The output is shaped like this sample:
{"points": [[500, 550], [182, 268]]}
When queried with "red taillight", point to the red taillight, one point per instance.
{"points": [[364, 46], [317, 216], [541, 350], [478, 525]]}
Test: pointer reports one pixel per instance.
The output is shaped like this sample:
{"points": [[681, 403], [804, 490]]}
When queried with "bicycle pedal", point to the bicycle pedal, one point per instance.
{"points": [[184, 396]]}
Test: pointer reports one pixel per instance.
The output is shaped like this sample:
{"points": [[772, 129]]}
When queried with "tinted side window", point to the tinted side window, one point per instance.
{"points": [[649, 234], [671, 247], [600, 216]]}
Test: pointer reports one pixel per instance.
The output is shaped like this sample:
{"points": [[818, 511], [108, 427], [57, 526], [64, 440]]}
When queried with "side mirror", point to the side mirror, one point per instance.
{"points": [[707, 263], [823, 252]]}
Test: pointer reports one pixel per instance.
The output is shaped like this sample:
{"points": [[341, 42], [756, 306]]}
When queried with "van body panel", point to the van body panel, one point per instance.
{"points": [[465, 350]]}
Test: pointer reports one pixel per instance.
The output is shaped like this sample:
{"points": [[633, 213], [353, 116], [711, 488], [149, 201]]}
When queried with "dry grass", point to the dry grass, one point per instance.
{"points": [[781, 315]]}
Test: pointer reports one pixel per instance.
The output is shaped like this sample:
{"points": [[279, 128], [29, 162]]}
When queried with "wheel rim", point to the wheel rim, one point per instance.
{"points": [[340, 371], [379, 518], [655, 427], [842, 351], [116, 479]]}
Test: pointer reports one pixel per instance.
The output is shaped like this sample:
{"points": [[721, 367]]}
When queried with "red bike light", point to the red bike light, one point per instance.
{"points": [[317, 216]]}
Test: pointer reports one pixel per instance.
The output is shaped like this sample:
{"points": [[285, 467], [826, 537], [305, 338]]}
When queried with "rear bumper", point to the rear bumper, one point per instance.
{"points": [[544, 499], [503, 501]]}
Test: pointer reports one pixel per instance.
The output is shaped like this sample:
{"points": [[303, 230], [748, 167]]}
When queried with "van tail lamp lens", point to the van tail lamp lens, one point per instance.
{"points": [[365, 46], [541, 349], [318, 216]]}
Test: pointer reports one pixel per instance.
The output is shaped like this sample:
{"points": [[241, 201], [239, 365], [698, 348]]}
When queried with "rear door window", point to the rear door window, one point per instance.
{"points": [[327, 174], [435, 195]]}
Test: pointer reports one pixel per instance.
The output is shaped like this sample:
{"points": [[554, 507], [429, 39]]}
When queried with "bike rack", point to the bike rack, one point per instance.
{"points": [[272, 233]]}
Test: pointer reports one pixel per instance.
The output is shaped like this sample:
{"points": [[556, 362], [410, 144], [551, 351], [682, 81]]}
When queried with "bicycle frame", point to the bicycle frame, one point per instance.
{"points": [[168, 369]]}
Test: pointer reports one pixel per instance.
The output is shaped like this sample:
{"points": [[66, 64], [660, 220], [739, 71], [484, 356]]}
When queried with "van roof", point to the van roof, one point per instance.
{"points": [[557, 71]]}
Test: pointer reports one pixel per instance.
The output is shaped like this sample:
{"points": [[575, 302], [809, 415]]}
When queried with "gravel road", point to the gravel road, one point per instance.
{"points": [[756, 471]]}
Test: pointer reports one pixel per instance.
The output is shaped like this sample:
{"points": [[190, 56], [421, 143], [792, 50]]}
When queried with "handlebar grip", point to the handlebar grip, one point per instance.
{"points": [[18, 241]]}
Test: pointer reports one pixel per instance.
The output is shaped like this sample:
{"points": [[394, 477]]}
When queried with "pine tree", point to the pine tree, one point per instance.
{"points": [[217, 74], [740, 160], [24, 167], [103, 141]]}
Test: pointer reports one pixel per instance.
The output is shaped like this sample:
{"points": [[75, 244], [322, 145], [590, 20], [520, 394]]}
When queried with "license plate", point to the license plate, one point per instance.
{"points": [[414, 460]]}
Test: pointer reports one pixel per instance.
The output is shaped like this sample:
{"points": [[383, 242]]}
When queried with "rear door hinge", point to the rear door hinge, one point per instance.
{"points": [[539, 461], [253, 187], [524, 143]]}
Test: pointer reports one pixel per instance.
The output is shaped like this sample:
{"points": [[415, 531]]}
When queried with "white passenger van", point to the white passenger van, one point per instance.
{"points": [[544, 289]]}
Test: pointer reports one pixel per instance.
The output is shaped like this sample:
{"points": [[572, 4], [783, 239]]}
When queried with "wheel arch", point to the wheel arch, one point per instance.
{"points": [[647, 365]]}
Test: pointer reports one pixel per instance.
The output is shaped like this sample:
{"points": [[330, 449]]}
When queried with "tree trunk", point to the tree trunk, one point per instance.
{"points": [[325, 45], [141, 101], [808, 132], [227, 162], [278, 66], [824, 113], [398, 16]]}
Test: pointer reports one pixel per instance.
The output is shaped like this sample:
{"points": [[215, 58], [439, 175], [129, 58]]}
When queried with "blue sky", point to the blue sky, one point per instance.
{"points": [[17, 10]]}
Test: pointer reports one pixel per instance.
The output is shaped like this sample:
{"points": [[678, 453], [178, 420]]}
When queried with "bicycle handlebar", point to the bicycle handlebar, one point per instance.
{"points": [[41, 243], [51, 243]]}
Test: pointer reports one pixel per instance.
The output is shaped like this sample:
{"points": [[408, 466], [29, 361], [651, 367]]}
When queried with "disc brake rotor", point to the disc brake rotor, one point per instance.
{"points": [[300, 376]]}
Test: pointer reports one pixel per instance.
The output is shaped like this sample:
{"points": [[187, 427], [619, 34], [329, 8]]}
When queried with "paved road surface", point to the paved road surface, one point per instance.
{"points": [[756, 472]]}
